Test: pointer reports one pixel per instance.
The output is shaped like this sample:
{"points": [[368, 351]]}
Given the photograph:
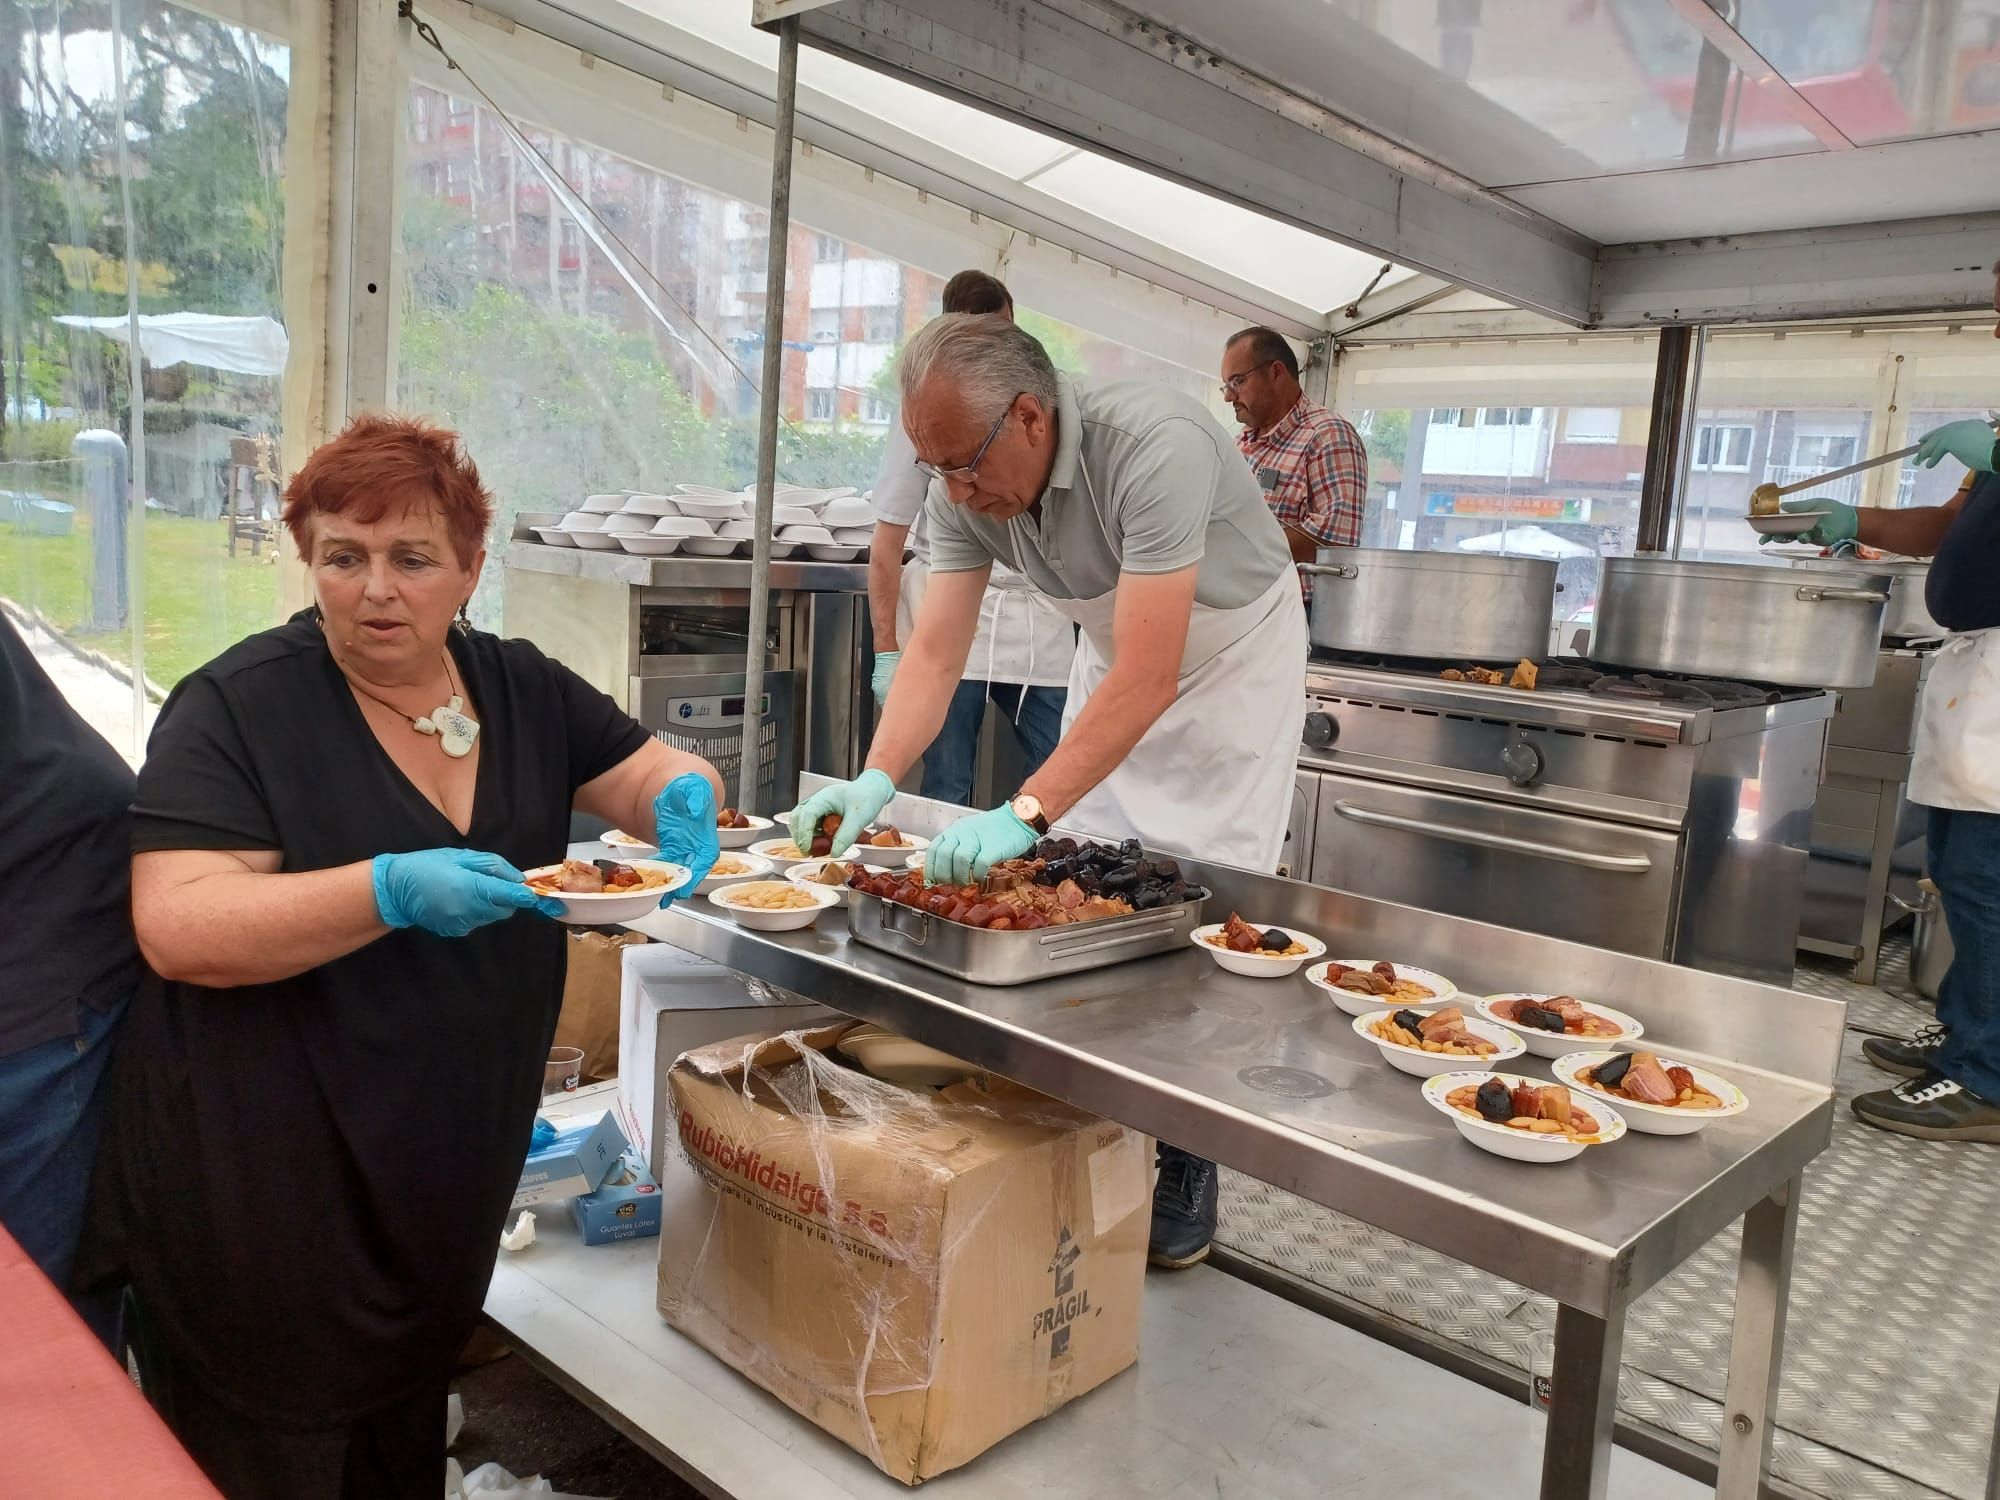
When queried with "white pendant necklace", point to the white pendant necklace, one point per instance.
{"points": [[454, 727]]}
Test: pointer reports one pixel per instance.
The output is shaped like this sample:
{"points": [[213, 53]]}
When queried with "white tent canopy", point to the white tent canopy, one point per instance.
{"points": [[247, 346], [1526, 541]]}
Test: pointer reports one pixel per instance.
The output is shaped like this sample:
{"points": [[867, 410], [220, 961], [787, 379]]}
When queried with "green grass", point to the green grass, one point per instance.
{"points": [[199, 600]]}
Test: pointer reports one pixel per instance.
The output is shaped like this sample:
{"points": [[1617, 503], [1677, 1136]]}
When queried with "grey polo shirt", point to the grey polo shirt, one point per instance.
{"points": [[1166, 489]]}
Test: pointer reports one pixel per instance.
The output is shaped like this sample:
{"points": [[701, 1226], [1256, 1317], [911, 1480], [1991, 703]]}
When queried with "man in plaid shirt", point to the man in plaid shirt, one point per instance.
{"points": [[1309, 461]]}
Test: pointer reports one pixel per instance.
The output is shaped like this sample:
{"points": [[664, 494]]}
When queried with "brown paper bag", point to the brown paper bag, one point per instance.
{"points": [[589, 1018]]}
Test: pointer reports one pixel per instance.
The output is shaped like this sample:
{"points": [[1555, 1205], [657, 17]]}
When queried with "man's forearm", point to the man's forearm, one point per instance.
{"points": [[1914, 533], [885, 582], [1123, 707]]}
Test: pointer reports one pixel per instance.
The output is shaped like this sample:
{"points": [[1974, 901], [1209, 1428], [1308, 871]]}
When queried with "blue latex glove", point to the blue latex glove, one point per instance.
{"points": [[973, 845], [451, 891], [684, 828], [1970, 442], [1840, 523], [857, 802], [884, 674]]}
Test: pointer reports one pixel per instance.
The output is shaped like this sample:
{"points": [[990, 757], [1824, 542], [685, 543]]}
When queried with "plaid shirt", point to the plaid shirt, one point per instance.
{"points": [[1313, 470]]}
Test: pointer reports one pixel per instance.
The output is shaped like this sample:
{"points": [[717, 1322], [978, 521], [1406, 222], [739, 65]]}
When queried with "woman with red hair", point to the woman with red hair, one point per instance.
{"points": [[325, 1093]]}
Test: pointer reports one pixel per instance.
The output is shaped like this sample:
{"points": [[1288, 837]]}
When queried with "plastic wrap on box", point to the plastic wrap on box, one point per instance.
{"points": [[918, 1272]]}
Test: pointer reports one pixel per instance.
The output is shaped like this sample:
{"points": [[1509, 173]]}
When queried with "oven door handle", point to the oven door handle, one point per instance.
{"points": [[1611, 864]]}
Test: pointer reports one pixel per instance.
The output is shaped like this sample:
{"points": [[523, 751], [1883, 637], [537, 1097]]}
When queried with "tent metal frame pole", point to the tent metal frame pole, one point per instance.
{"points": [[1673, 388], [770, 395]]}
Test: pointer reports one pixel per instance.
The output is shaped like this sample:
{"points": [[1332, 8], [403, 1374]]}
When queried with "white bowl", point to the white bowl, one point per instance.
{"points": [[1257, 965], [1653, 1119], [711, 546], [581, 520], [854, 536], [805, 499], [1357, 1004], [618, 838], [803, 872], [1421, 1064], [628, 521], [808, 535], [603, 505], [790, 515], [780, 849], [772, 921], [899, 1060], [707, 492], [651, 505], [849, 510], [825, 552], [891, 856], [734, 864], [648, 545], [595, 541], [601, 910], [1503, 1140], [555, 536], [742, 838], [679, 526], [1791, 523], [711, 508], [1558, 1043]]}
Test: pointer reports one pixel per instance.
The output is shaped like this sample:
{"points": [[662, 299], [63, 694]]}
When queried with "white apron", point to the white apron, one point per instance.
{"points": [[1957, 759], [1212, 778]]}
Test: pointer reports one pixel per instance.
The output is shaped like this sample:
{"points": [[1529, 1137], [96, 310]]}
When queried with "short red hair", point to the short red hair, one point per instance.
{"points": [[375, 464]]}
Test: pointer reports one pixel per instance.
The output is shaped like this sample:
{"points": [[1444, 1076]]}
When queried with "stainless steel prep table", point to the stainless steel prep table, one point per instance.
{"points": [[1267, 1077]]}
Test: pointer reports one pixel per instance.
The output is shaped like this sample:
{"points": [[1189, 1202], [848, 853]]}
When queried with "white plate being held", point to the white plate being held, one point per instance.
{"points": [[555, 536], [604, 908], [734, 864], [730, 898], [1505, 1140], [1258, 965], [1790, 523], [744, 838], [1653, 1119], [888, 856], [806, 872], [1355, 1003], [1421, 1064], [1557, 1043]]}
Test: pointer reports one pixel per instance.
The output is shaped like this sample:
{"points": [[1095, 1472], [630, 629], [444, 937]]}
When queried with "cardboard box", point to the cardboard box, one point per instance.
{"points": [[919, 1273], [576, 1161], [625, 1206]]}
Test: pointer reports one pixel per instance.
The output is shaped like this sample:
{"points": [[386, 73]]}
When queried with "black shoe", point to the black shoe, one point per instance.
{"points": [[1909, 1057], [1933, 1108], [1183, 1210]]}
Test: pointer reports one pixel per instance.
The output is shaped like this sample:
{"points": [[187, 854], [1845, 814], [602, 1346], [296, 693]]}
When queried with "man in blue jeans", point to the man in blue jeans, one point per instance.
{"points": [[1020, 658], [1951, 1070], [68, 960]]}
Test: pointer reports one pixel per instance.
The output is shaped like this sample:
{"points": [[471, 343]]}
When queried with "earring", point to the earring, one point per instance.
{"points": [[464, 620], [319, 620]]}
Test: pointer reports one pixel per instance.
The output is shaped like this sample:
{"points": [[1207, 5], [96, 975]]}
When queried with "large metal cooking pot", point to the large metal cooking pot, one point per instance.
{"points": [[1907, 617], [1739, 621], [1454, 605]]}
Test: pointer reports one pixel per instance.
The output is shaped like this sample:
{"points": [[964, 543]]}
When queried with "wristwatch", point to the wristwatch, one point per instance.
{"points": [[1028, 809]]}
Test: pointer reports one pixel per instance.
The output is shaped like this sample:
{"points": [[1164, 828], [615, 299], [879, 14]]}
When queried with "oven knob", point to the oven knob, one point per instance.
{"points": [[1520, 762], [1321, 730]]}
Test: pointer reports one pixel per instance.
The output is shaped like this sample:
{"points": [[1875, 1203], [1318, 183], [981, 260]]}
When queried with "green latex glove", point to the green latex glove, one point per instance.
{"points": [[1840, 523], [857, 802], [884, 674], [974, 844], [1970, 442]]}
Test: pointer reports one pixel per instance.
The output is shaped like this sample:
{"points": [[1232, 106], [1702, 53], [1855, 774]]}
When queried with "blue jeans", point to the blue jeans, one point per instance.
{"points": [[1036, 712], [49, 1110], [1965, 863]]}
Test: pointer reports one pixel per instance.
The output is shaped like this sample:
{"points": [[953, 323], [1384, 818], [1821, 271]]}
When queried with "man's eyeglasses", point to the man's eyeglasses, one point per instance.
{"points": [[969, 474], [1231, 384]]}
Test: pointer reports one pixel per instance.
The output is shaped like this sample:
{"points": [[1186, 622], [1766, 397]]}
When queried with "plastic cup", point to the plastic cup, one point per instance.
{"points": [[562, 1072]]}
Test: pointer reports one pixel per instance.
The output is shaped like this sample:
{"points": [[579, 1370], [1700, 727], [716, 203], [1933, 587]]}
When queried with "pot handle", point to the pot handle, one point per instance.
{"points": [[895, 915], [1814, 593], [1331, 570]]}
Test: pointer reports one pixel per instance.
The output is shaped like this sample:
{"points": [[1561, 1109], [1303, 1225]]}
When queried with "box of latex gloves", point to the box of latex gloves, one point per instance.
{"points": [[919, 1271], [625, 1206], [569, 1159]]}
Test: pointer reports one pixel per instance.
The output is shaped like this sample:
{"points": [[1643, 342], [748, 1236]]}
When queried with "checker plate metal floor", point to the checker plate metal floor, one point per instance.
{"points": [[1889, 1377]]}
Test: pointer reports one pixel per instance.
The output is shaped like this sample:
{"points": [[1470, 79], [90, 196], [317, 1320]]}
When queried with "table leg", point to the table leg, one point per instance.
{"points": [[1757, 1342], [1576, 1451]]}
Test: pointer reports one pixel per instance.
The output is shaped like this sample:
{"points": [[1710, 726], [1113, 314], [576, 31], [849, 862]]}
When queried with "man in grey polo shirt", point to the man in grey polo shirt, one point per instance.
{"points": [[1128, 507]]}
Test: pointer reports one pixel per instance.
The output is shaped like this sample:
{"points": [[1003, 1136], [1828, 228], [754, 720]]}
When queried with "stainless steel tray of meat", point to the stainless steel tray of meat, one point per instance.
{"points": [[980, 955]]}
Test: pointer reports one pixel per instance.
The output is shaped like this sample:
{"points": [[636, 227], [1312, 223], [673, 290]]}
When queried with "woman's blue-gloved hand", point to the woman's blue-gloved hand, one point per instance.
{"points": [[973, 845], [857, 802], [451, 892], [684, 827]]}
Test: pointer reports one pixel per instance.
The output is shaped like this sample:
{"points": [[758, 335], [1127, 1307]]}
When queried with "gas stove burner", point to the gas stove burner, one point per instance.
{"points": [[1694, 692], [1569, 674]]}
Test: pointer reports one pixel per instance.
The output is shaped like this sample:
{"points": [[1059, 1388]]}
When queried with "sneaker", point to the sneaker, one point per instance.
{"points": [[1907, 1057], [1933, 1108], [1183, 1210]]}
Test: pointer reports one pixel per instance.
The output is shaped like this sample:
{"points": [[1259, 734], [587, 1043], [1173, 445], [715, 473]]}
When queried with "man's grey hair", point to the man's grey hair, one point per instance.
{"points": [[984, 357]]}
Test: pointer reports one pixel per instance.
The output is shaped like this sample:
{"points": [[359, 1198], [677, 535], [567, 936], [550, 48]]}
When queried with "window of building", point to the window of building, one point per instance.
{"points": [[1591, 424], [876, 409], [828, 247], [1822, 450], [825, 325], [821, 404], [1724, 446], [883, 324]]}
